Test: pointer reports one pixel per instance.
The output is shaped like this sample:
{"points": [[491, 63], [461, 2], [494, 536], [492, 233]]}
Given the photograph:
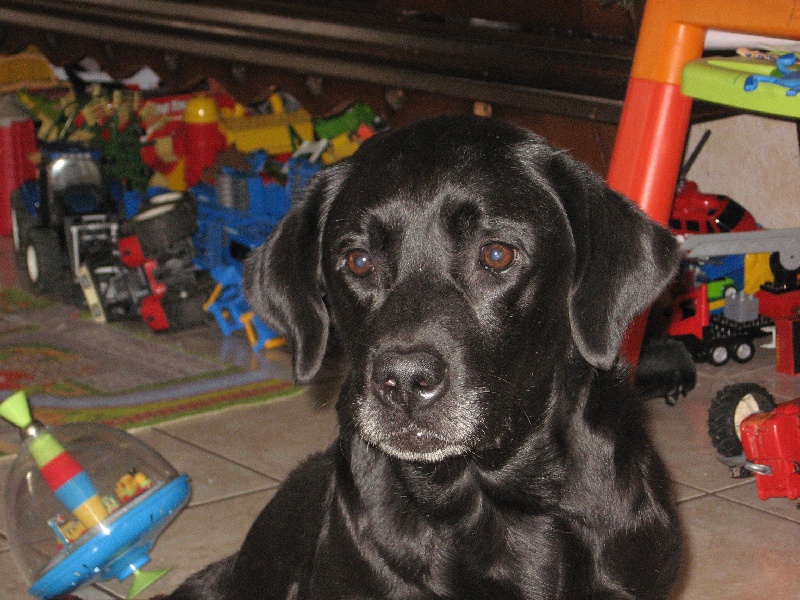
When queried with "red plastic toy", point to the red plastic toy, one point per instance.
{"points": [[755, 436], [772, 441], [696, 212]]}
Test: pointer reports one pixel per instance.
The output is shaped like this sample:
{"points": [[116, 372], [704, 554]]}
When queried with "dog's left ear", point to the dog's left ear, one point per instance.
{"points": [[282, 277], [623, 259]]}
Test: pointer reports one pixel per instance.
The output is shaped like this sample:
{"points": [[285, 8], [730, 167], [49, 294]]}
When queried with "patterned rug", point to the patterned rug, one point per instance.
{"points": [[76, 370]]}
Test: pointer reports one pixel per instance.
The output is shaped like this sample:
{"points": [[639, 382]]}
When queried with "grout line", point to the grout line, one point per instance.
{"points": [[232, 497], [697, 495], [217, 454], [758, 508], [112, 595]]}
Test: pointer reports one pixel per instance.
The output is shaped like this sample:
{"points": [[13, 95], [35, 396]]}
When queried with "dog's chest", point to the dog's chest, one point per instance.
{"points": [[453, 543]]}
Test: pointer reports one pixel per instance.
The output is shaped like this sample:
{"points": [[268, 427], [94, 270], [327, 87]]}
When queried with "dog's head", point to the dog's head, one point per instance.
{"points": [[462, 261]]}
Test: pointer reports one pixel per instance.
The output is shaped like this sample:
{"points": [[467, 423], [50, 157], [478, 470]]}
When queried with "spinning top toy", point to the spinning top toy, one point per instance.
{"points": [[85, 502]]}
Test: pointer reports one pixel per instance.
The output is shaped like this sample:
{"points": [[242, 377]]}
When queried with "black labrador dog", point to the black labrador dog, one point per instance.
{"points": [[490, 444]]}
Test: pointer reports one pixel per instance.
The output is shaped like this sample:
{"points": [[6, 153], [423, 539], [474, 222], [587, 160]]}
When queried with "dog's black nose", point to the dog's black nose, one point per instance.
{"points": [[409, 379]]}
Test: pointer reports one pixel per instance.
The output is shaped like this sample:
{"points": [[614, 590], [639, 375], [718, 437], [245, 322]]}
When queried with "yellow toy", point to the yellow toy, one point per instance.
{"points": [[280, 132]]}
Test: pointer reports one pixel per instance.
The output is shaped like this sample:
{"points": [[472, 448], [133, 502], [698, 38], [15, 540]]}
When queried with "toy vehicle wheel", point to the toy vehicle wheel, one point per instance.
{"points": [[718, 356], [163, 225], [21, 224], [784, 277], [184, 310], [167, 198], [743, 352], [44, 262], [732, 405]]}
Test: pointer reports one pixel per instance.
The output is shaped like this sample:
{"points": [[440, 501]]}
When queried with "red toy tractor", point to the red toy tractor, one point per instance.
{"points": [[755, 436]]}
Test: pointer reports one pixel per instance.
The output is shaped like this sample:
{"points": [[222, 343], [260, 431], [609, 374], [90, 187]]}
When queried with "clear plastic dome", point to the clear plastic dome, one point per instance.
{"points": [[64, 537]]}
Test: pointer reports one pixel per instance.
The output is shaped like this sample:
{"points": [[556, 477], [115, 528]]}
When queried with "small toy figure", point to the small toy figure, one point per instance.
{"points": [[790, 77]]}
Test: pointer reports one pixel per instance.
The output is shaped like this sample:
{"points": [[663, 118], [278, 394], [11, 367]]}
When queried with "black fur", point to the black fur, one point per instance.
{"points": [[490, 444]]}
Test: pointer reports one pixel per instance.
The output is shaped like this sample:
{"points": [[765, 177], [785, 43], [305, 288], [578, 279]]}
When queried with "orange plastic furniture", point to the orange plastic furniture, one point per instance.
{"points": [[655, 115]]}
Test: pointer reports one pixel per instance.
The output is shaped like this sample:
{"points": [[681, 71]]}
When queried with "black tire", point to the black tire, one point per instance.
{"points": [[184, 310], [44, 260], [784, 278], [162, 225], [732, 405], [719, 355], [743, 352], [21, 224]]}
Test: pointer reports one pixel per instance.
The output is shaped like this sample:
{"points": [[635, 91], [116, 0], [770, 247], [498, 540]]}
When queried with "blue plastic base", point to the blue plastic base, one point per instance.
{"points": [[118, 546]]}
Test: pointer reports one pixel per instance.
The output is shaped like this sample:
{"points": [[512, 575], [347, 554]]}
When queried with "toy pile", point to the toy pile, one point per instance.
{"points": [[149, 202]]}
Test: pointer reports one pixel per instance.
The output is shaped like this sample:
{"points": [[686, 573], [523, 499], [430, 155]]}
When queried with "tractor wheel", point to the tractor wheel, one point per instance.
{"points": [[732, 405], [44, 260], [164, 224], [718, 356], [21, 224]]}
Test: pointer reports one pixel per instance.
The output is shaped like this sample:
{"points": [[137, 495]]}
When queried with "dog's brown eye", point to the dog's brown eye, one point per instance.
{"points": [[497, 257], [359, 262]]}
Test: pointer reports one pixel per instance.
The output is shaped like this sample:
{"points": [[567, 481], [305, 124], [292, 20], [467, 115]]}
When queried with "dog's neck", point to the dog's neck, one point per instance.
{"points": [[457, 487]]}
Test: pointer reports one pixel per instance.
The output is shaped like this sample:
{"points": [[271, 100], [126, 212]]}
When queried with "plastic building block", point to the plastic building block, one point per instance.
{"points": [[259, 335]]}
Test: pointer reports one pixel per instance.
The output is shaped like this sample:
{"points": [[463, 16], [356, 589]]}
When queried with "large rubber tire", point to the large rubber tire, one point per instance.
{"points": [[732, 405], [21, 224], [162, 225], [44, 260]]}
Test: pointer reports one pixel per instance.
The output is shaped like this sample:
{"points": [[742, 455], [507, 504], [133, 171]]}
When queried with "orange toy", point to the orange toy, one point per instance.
{"points": [[655, 115]]}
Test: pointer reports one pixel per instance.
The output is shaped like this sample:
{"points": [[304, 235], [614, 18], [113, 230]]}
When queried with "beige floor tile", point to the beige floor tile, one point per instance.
{"points": [[680, 433], [746, 494], [269, 438], [198, 536], [760, 370], [737, 553], [763, 358], [13, 584], [213, 478], [683, 493]]}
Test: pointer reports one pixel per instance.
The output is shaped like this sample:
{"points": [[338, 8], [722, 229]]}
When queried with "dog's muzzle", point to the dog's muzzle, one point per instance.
{"points": [[411, 410]]}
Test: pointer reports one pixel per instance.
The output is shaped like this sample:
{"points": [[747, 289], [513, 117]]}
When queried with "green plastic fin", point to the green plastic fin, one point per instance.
{"points": [[15, 409], [142, 580]]}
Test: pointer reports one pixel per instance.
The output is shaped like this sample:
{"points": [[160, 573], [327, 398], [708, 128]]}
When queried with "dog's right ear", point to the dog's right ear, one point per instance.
{"points": [[283, 282]]}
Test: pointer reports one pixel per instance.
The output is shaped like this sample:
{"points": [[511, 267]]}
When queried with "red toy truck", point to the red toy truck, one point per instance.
{"points": [[713, 337], [755, 436]]}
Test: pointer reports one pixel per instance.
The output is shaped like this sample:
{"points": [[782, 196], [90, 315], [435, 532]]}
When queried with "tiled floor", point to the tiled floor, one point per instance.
{"points": [[737, 546]]}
